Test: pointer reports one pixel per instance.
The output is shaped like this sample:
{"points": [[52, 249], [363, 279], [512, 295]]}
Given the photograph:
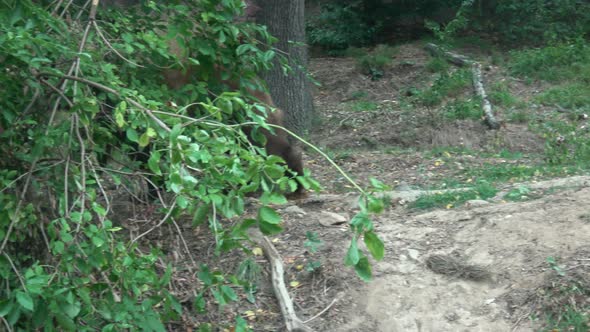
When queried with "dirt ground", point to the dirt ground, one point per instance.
{"points": [[511, 242]]}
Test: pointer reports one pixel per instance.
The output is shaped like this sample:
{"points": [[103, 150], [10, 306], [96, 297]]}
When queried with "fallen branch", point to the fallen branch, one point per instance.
{"points": [[454, 58], [481, 92], [461, 60], [292, 322]]}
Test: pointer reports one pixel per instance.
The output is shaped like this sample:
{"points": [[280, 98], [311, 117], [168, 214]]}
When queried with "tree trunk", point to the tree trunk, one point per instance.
{"points": [[292, 93]]}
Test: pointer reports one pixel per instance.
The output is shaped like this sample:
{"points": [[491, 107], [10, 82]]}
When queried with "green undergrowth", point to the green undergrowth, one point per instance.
{"points": [[562, 303], [480, 178], [445, 85], [361, 106], [450, 199], [565, 64], [375, 62]]}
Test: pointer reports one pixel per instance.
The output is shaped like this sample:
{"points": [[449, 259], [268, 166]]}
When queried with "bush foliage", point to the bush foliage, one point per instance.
{"points": [[85, 113]]}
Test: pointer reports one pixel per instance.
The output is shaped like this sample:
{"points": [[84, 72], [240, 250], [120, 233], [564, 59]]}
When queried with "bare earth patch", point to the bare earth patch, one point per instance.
{"points": [[513, 240]]}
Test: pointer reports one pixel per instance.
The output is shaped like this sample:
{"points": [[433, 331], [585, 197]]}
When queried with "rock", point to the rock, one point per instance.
{"points": [[414, 254], [328, 219], [476, 203], [295, 210]]}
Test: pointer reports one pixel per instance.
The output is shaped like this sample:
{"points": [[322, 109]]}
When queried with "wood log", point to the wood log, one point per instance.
{"points": [[462, 61], [481, 92], [454, 58]]}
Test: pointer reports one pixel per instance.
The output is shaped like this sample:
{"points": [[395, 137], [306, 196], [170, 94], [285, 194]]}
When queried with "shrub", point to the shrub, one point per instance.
{"points": [[376, 62], [339, 26], [538, 21], [555, 62]]}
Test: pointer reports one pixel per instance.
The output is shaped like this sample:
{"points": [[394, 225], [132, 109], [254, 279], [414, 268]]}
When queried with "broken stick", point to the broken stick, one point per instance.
{"points": [[461, 60], [292, 322]]}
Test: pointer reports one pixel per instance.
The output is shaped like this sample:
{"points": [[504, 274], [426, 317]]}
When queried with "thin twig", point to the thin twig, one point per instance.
{"points": [[16, 215], [158, 225], [109, 45], [66, 8], [82, 10], [116, 93], [31, 103], [8, 328], [321, 312], [82, 169], [58, 91], [67, 170], [20, 278], [104, 194], [56, 7], [27, 173], [188, 252]]}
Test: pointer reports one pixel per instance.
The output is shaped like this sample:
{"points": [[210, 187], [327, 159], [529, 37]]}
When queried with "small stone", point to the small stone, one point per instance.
{"points": [[414, 254], [295, 210], [476, 203], [332, 219]]}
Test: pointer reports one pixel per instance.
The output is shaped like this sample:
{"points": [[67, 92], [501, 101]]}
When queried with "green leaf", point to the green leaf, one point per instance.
{"points": [[363, 269], [201, 214], [5, 307], [175, 132], [119, 114], [269, 229], [219, 297], [40, 315], [154, 162], [378, 185], [150, 132], [360, 220], [132, 135], [25, 300], [101, 211], [353, 255], [229, 293], [200, 305], [72, 310], [375, 245], [65, 322], [182, 201], [58, 247], [269, 215], [241, 324], [144, 140], [273, 198], [376, 205], [97, 241], [205, 275]]}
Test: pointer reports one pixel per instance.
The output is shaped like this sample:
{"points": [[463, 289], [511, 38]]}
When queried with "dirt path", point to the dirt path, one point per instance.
{"points": [[512, 240]]}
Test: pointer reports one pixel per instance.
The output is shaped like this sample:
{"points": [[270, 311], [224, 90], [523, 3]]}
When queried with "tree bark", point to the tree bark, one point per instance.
{"points": [[291, 93]]}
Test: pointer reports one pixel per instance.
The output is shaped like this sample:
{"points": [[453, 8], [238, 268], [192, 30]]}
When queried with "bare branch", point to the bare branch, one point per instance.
{"points": [[105, 40]]}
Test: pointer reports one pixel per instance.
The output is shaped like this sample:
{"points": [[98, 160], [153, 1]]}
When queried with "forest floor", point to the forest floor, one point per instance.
{"points": [[533, 247], [529, 236]]}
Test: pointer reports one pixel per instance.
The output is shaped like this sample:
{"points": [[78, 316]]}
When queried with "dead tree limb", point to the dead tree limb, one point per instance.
{"points": [[463, 61], [292, 322], [454, 58], [481, 92]]}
